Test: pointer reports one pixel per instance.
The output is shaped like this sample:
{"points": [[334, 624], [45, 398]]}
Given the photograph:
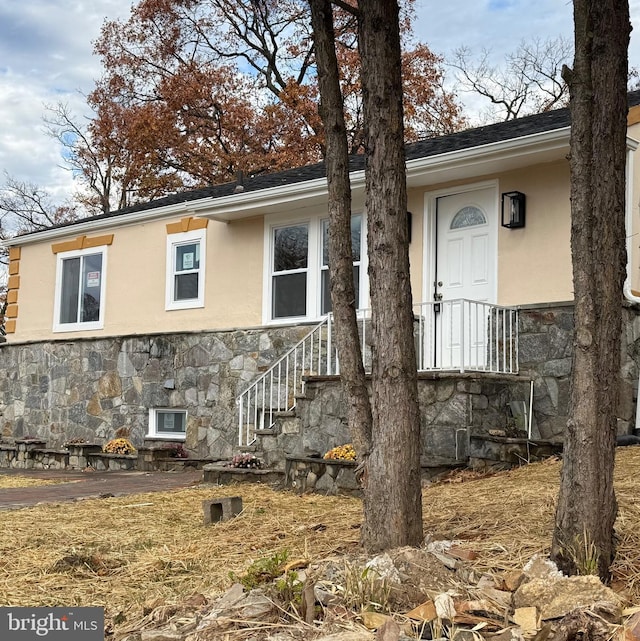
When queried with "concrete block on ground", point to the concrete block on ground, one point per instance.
{"points": [[223, 509]]}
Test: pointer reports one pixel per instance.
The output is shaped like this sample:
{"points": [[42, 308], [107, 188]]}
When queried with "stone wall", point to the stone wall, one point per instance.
{"points": [[546, 335], [460, 411], [453, 406], [87, 389]]}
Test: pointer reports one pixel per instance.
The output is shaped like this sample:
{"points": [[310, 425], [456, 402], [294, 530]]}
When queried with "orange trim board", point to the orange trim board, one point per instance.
{"points": [[13, 282], [10, 327], [11, 311], [14, 253], [187, 224], [633, 117], [12, 297], [81, 242], [14, 267]]}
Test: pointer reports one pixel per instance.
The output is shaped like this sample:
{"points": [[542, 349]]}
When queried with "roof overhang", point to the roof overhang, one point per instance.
{"points": [[421, 172], [469, 163]]}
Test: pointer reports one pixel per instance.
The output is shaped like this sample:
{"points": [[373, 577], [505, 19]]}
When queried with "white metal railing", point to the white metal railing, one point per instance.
{"points": [[466, 335], [453, 335], [276, 390]]}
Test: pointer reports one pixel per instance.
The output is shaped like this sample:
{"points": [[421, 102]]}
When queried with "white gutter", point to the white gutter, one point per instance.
{"points": [[632, 145], [505, 150], [629, 206], [223, 208], [91, 224]]}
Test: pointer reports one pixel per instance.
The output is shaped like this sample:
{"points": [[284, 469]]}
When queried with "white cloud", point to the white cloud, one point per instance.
{"points": [[45, 58], [25, 151]]}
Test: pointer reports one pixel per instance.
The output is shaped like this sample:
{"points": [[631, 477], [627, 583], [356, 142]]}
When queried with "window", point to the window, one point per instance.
{"points": [[289, 271], [185, 269], [296, 263], [80, 288], [469, 216], [356, 241], [167, 423]]}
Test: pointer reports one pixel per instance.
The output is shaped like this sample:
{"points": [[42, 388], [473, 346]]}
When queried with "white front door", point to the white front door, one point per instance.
{"points": [[466, 228]]}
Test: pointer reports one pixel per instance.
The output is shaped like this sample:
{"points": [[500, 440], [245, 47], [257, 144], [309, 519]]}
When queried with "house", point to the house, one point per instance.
{"points": [[201, 316]]}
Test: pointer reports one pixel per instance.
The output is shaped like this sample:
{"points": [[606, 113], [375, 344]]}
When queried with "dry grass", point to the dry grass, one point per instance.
{"points": [[508, 517], [9, 481], [123, 552]]}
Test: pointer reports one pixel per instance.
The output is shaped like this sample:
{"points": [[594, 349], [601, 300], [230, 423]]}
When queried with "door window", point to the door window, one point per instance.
{"points": [[468, 217]]}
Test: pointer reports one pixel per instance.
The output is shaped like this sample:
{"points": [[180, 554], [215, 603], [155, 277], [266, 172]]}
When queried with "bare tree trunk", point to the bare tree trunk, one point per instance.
{"points": [[392, 489], [343, 296], [583, 537]]}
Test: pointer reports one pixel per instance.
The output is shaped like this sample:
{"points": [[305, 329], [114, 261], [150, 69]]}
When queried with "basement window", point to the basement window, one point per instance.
{"points": [[167, 423]]}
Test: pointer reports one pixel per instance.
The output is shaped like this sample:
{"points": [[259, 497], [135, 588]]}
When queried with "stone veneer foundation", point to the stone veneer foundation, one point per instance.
{"points": [[88, 388]]}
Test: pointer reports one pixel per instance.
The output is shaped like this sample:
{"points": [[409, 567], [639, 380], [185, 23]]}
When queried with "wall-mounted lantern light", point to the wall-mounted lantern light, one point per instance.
{"points": [[513, 209]]}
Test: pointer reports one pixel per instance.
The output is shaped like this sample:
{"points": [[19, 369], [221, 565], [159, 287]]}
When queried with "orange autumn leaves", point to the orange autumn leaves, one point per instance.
{"points": [[192, 92]]}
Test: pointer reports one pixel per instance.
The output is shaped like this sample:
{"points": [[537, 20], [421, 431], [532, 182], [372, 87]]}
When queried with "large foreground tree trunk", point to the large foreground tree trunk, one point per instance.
{"points": [[343, 296], [392, 490], [583, 538]]}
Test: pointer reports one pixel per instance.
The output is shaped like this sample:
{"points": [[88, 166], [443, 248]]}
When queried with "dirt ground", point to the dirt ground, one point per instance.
{"points": [[130, 552]]}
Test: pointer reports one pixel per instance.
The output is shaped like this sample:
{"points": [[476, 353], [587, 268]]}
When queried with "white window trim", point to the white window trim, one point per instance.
{"points": [[173, 240], [153, 424], [312, 257], [314, 267], [79, 327]]}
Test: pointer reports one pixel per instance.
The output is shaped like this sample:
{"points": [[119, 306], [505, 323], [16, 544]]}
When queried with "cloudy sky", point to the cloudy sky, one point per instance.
{"points": [[46, 57]]}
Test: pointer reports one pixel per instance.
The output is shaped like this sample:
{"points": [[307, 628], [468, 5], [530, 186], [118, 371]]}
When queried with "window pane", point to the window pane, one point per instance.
{"points": [[187, 257], [91, 284], [70, 288], [290, 248], [289, 295], [326, 289], [356, 233], [186, 286], [170, 422], [468, 217], [325, 292], [325, 243]]}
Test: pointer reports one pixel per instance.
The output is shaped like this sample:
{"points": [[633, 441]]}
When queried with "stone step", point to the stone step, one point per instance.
{"points": [[222, 475], [510, 450]]}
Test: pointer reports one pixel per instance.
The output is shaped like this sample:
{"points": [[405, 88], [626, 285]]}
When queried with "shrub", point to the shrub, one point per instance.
{"points": [[176, 450]]}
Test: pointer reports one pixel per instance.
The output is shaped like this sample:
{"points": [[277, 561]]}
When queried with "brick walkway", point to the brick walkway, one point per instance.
{"points": [[79, 485]]}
